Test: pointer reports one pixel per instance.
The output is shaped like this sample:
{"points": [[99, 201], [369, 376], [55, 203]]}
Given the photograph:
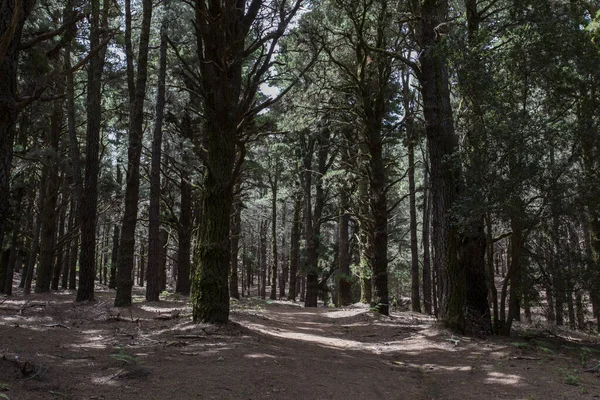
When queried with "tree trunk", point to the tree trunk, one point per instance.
{"points": [[445, 175], [490, 272], [274, 267], [414, 251], [365, 244], [153, 290], [236, 230], [12, 259], [344, 275], [58, 266], [48, 213], [378, 205], [427, 278], [185, 237], [137, 94], [263, 259], [89, 202], [10, 30], [295, 246]]}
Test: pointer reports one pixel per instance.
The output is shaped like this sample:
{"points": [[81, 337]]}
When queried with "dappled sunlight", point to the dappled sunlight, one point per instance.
{"points": [[259, 355], [503, 379]]}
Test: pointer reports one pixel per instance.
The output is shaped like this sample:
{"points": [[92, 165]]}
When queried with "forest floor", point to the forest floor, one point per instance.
{"points": [[54, 348]]}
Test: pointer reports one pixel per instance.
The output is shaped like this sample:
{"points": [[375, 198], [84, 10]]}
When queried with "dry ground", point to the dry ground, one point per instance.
{"points": [[53, 348]]}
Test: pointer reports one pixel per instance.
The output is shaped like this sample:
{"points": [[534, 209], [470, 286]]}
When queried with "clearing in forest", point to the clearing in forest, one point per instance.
{"points": [[53, 348]]}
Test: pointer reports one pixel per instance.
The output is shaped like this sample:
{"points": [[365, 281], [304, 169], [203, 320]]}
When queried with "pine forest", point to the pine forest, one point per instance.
{"points": [[322, 199]]}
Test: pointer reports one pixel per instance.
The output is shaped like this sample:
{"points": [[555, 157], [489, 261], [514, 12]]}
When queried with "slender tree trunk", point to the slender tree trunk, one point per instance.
{"points": [[263, 259], [59, 264], [365, 244], [344, 275], [48, 213], [236, 230], [137, 93], [274, 267], [295, 246], [35, 243], [142, 266], [427, 278], [12, 259], [414, 251], [490, 272], [185, 237], [153, 290]]}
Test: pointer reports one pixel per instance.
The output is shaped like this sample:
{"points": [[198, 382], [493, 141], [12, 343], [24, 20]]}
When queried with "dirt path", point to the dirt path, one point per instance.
{"points": [[52, 348]]}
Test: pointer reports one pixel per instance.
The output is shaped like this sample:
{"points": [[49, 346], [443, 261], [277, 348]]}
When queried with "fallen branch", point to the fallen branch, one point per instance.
{"points": [[55, 326]]}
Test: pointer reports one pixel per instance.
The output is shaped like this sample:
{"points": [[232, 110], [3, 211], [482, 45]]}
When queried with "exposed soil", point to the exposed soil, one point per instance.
{"points": [[53, 348]]}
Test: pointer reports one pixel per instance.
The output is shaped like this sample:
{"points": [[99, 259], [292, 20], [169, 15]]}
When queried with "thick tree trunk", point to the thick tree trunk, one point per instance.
{"points": [[13, 14], [153, 289], [378, 205], [445, 175], [89, 202]]}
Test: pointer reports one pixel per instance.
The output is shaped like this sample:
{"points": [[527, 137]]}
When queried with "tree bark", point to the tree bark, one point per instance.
{"points": [[427, 275], [89, 202], [344, 275], [13, 14], [48, 213], [236, 230], [445, 174], [274, 267], [414, 250], [295, 246], [137, 93], [12, 259], [153, 289]]}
